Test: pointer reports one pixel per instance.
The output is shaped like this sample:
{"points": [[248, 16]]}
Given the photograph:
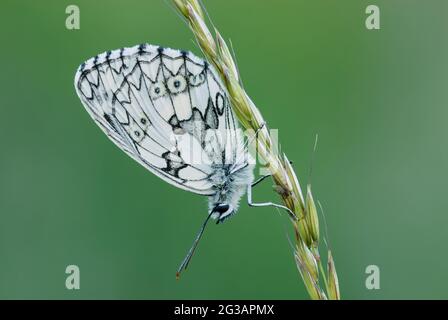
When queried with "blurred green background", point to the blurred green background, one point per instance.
{"points": [[377, 99]]}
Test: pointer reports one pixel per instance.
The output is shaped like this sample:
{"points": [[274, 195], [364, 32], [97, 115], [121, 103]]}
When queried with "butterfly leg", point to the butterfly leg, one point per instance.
{"points": [[263, 177], [266, 204], [260, 180]]}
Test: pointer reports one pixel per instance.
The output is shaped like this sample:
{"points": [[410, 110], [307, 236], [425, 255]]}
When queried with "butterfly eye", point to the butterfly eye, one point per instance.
{"points": [[221, 208], [157, 90], [177, 84]]}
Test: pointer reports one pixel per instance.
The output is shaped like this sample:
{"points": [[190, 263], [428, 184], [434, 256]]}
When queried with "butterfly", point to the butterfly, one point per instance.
{"points": [[169, 111]]}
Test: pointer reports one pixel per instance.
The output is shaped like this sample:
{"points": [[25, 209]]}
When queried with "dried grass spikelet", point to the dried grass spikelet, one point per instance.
{"points": [[333, 282]]}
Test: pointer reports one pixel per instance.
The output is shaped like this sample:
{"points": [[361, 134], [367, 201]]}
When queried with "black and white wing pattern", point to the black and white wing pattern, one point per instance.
{"points": [[165, 108]]}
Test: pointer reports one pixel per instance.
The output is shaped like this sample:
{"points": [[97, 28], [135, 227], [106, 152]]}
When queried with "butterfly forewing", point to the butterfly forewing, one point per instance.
{"points": [[166, 108]]}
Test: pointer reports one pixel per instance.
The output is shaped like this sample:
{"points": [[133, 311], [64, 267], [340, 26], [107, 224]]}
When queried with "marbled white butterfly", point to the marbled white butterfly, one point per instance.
{"points": [[169, 111]]}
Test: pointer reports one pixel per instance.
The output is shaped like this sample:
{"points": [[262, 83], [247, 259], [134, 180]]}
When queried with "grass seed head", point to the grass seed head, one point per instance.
{"points": [[311, 217], [333, 282], [306, 224]]}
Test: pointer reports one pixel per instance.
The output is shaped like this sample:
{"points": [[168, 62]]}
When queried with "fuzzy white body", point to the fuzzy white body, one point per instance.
{"points": [[230, 188]]}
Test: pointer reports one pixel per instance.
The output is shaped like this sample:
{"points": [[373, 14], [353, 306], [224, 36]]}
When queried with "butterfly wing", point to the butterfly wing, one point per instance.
{"points": [[165, 108]]}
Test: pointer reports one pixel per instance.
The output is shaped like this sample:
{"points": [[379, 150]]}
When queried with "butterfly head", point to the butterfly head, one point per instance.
{"points": [[222, 211]]}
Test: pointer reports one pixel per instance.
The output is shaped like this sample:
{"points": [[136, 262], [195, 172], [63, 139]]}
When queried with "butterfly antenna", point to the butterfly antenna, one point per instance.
{"points": [[186, 261], [312, 158]]}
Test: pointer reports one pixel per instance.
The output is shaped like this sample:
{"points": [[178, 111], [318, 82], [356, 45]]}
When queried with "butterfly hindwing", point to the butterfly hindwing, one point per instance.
{"points": [[166, 108]]}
